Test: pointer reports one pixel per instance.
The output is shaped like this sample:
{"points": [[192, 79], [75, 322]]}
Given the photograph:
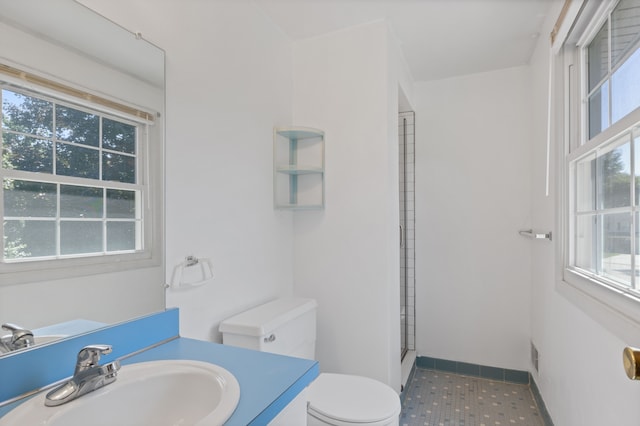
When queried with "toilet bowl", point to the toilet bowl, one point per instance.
{"points": [[345, 400], [288, 327]]}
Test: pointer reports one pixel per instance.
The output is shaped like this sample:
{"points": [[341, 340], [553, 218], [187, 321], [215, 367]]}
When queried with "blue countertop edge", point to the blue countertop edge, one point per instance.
{"points": [[268, 382]]}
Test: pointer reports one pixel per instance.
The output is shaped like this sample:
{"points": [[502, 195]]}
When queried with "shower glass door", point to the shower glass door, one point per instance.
{"points": [[407, 231]]}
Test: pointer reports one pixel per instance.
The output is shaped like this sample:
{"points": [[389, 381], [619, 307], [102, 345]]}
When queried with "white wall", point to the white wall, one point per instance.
{"points": [[472, 197], [347, 256], [580, 344], [229, 75], [229, 81]]}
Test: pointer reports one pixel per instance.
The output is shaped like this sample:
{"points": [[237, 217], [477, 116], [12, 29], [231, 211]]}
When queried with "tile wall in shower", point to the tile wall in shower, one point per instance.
{"points": [[406, 139]]}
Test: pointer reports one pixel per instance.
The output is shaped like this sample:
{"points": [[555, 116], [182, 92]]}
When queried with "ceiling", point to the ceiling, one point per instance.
{"points": [[439, 38]]}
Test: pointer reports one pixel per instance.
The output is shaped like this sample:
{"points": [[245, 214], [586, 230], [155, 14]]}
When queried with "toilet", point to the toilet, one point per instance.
{"points": [[288, 327]]}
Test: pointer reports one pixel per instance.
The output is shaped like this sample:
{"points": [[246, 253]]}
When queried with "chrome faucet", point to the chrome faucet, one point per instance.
{"points": [[18, 339], [88, 376]]}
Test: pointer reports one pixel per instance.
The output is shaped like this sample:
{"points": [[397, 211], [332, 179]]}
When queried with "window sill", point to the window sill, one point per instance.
{"points": [[27, 272], [615, 310]]}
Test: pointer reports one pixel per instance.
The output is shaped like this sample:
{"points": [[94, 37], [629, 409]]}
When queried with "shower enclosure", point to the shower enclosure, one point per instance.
{"points": [[406, 139]]}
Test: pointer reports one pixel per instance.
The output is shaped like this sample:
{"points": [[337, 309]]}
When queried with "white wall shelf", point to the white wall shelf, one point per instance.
{"points": [[298, 168]]}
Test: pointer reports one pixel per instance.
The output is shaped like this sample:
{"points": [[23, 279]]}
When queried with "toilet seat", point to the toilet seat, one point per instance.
{"points": [[344, 400]]}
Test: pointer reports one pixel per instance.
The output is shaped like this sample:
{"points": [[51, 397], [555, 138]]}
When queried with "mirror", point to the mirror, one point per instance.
{"points": [[65, 41]]}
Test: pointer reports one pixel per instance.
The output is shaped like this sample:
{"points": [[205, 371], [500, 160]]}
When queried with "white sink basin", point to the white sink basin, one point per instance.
{"points": [[170, 392]]}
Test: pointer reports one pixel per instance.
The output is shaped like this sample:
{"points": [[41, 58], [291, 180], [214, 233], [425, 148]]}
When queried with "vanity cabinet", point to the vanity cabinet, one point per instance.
{"points": [[298, 168]]}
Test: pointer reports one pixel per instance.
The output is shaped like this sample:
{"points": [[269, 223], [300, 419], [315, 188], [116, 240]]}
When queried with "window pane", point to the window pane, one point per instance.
{"points": [[625, 88], [29, 238], [614, 175], [121, 204], [23, 198], [22, 113], [73, 160], [119, 168], [121, 236], [599, 110], [585, 242], [637, 253], [625, 28], [636, 155], [586, 184], [616, 247], [21, 152], [77, 126], [598, 54], [80, 237], [80, 201], [118, 136]]}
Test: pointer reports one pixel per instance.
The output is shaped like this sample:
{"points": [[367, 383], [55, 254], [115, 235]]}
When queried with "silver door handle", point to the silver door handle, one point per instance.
{"points": [[401, 236]]}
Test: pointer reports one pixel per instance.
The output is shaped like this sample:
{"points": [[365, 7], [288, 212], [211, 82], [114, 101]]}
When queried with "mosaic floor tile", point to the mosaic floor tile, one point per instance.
{"points": [[437, 398]]}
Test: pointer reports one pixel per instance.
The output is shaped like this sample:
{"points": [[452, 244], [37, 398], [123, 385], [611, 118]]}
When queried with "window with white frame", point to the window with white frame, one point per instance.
{"points": [[72, 180], [603, 160]]}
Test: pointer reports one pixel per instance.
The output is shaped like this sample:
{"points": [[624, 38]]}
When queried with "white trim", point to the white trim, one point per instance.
{"points": [[20, 84], [563, 32], [595, 20], [613, 306], [620, 301], [614, 131], [615, 311]]}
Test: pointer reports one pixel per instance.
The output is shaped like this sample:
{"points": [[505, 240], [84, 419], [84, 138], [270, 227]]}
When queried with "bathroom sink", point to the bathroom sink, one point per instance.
{"points": [[168, 392]]}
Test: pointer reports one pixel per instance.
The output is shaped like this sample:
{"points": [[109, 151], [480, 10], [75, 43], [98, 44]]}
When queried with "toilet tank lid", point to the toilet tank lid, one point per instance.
{"points": [[263, 319]]}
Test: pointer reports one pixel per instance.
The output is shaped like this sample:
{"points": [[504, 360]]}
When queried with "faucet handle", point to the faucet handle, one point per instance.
{"points": [[20, 337], [89, 356]]}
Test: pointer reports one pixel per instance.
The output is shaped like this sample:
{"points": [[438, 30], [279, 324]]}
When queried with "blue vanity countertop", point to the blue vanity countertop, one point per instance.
{"points": [[268, 382]]}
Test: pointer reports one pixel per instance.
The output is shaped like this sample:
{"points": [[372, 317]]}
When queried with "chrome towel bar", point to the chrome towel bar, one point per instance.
{"points": [[535, 235]]}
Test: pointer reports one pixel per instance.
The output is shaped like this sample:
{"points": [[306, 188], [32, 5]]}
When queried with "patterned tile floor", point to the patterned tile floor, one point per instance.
{"points": [[437, 398]]}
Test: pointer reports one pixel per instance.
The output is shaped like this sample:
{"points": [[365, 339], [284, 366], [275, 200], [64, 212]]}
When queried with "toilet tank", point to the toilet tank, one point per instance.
{"points": [[283, 326]]}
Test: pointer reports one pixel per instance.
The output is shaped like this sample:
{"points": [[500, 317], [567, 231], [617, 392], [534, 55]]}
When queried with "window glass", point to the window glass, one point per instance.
{"points": [[625, 87], [606, 177], [615, 249], [586, 188], [23, 198], [20, 152], [121, 236], [80, 237], [29, 238], [118, 136], [625, 29], [599, 110], [80, 196], [26, 114], [77, 161], [614, 175], [636, 161], [81, 201], [585, 240], [598, 57], [119, 168], [77, 126], [637, 245], [121, 204]]}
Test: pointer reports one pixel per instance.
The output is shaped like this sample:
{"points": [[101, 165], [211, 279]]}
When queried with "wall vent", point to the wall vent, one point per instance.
{"points": [[534, 357]]}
